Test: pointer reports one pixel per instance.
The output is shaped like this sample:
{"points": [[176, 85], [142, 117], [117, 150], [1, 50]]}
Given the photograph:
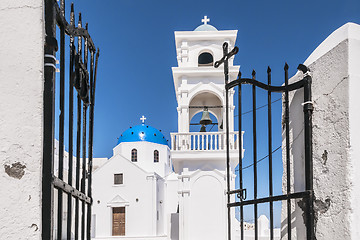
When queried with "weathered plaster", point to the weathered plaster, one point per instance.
{"points": [[21, 81], [334, 66]]}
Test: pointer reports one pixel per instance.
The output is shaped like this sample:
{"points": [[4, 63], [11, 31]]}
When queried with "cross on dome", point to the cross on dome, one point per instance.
{"points": [[143, 119], [205, 20]]}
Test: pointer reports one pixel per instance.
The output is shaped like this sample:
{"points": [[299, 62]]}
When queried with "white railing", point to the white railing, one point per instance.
{"points": [[203, 141]]}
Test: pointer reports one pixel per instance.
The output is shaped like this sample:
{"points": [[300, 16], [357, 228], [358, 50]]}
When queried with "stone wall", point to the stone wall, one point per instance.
{"points": [[21, 108]]}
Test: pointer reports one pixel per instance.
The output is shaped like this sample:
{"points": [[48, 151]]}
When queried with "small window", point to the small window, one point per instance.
{"points": [[134, 155], [118, 178], [156, 156], [205, 59]]}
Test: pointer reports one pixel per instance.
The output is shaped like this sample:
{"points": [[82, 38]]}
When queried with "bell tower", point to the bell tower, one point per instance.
{"points": [[199, 157]]}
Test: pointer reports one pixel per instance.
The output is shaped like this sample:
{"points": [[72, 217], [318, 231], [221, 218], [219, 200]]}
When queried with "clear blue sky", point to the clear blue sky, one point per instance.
{"points": [[136, 40]]}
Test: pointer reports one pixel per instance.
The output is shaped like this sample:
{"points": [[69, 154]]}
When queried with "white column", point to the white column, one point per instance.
{"points": [[184, 194]]}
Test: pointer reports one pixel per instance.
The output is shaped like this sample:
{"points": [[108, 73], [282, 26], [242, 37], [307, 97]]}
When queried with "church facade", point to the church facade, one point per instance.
{"points": [[152, 189]]}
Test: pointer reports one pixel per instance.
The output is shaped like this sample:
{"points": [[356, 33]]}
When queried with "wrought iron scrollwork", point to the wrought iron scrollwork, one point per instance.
{"points": [[81, 79]]}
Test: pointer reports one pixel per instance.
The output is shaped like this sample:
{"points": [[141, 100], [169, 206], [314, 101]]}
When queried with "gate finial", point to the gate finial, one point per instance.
{"points": [[253, 73], [268, 69], [286, 67]]}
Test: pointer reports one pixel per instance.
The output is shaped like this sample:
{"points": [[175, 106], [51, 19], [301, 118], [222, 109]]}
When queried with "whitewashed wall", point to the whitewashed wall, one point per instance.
{"points": [[137, 194], [21, 107], [145, 156], [335, 67]]}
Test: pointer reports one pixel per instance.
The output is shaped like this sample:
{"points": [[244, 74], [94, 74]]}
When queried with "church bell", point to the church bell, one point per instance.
{"points": [[205, 118], [203, 128]]}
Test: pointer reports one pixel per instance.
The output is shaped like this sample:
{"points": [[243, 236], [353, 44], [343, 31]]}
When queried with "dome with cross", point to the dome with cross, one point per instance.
{"points": [[205, 26], [143, 132]]}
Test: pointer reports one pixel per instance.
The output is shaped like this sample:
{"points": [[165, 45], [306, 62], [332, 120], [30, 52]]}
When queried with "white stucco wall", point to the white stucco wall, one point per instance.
{"points": [[336, 144], [145, 156], [171, 206], [207, 214], [21, 115], [138, 194], [202, 205]]}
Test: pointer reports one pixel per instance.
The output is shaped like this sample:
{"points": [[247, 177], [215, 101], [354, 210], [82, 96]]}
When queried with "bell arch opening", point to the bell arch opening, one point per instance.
{"points": [[205, 105], [205, 59]]}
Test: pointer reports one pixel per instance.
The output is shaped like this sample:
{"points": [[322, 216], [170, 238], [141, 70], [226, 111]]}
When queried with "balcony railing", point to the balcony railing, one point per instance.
{"points": [[203, 141]]}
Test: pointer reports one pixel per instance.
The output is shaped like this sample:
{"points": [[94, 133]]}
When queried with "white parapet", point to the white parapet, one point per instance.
{"points": [[203, 141]]}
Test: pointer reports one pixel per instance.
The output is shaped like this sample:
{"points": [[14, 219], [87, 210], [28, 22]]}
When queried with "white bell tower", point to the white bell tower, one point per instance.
{"points": [[200, 157], [196, 80]]}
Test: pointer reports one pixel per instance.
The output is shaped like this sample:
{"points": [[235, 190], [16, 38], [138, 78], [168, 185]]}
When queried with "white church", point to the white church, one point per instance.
{"points": [[150, 190]]}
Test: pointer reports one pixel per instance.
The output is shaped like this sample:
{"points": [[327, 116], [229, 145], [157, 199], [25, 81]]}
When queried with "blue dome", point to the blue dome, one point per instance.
{"points": [[142, 133]]}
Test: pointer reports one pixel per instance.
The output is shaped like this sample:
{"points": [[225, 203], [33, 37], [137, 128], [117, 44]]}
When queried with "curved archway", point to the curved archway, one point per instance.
{"points": [[203, 223]]}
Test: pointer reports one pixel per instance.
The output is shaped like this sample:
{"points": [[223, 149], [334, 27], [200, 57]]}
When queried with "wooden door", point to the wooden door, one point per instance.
{"points": [[118, 228]]}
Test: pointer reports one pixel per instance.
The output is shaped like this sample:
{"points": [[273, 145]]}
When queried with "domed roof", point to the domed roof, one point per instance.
{"points": [[205, 27], [142, 132]]}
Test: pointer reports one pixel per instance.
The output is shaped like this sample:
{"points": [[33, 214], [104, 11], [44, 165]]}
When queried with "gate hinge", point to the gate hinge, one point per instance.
{"points": [[309, 105]]}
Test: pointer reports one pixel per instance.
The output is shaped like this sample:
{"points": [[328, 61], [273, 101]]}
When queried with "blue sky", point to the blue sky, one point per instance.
{"points": [[136, 40]]}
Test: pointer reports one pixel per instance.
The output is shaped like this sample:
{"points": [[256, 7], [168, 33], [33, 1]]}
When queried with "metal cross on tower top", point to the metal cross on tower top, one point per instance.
{"points": [[143, 119], [205, 20]]}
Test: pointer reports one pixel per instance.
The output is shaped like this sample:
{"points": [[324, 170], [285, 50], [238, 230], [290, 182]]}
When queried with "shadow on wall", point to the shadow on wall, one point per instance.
{"points": [[174, 234]]}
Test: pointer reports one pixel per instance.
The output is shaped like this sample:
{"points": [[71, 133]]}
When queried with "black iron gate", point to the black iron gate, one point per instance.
{"points": [[82, 78], [307, 195]]}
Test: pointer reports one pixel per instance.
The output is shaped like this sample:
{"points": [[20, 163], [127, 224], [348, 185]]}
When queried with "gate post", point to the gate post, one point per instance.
{"points": [[48, 131], [308, 110]]}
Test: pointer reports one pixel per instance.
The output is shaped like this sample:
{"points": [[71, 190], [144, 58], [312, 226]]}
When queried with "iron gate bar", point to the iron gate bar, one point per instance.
{"points": [[226, 72], [287, 139], [84, 138], [291, 87], [61, 185], [254, 153], [270, 156], [308, 193], [304, 194], [78, 139], [71, 123], [91, 116], [242, 197], [91, 131], [61, 123]]}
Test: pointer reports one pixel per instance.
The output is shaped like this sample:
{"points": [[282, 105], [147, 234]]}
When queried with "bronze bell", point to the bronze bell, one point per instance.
{"points": [[203, 128], [205, 118]]}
